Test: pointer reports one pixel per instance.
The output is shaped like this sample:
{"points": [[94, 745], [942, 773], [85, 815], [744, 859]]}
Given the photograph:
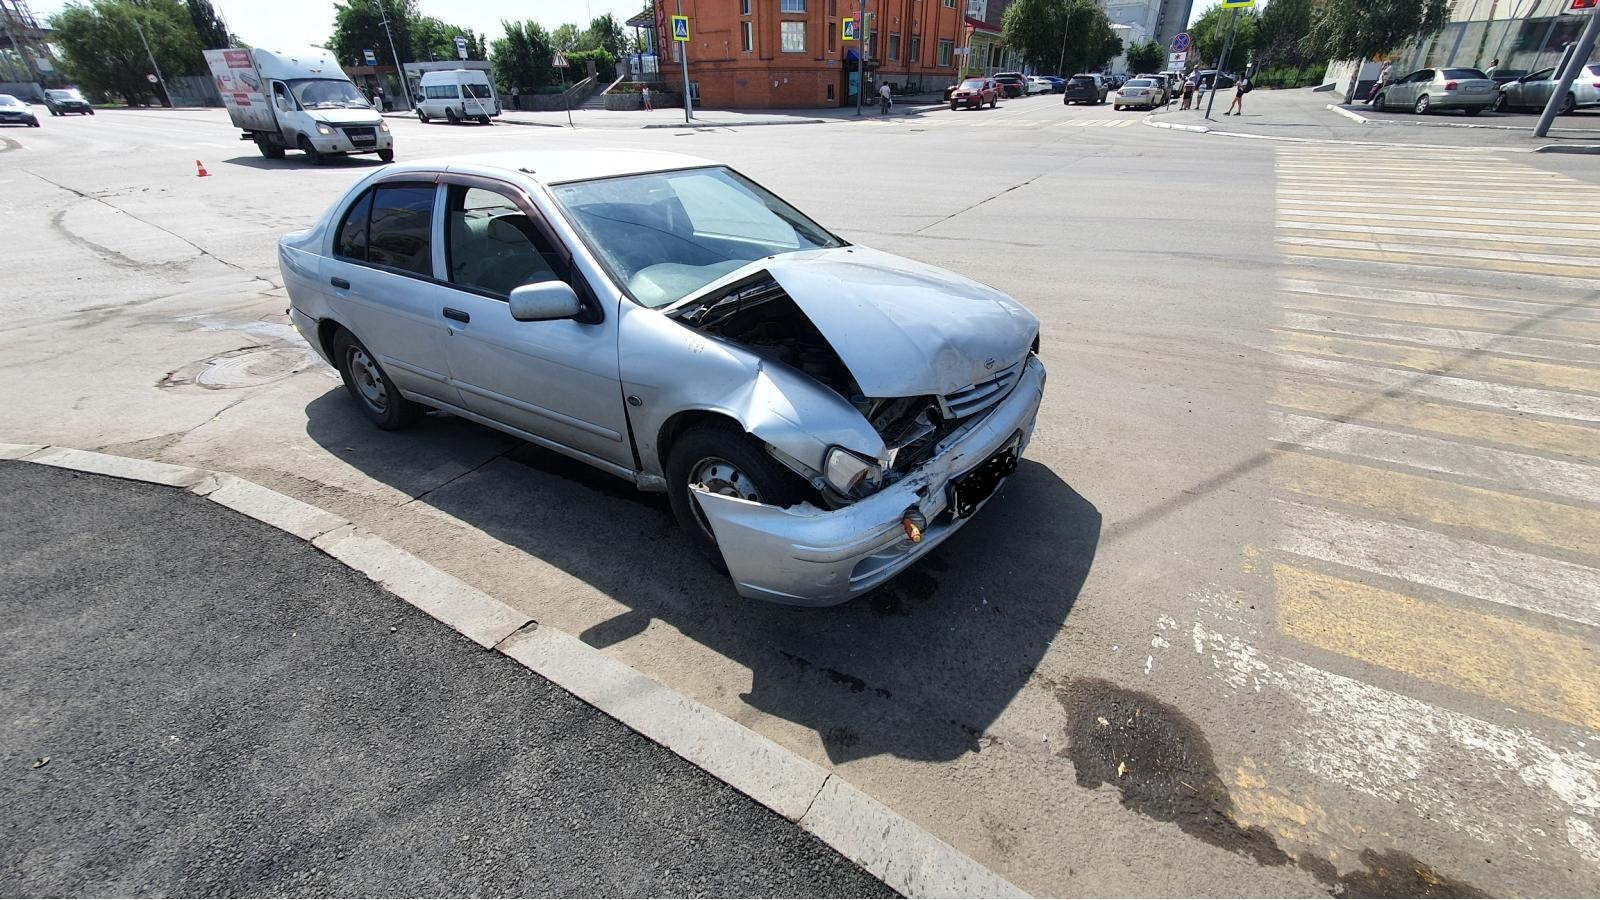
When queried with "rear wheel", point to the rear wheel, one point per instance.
{"points": [[1422, 105], [1379, 101], [727, 461], [268, 149], [370, 387], [484, 120]]}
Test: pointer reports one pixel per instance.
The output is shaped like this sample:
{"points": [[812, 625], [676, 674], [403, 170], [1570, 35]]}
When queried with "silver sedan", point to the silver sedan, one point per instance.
{"points": [[819, 414], [1533, 91], [1429, 90]]}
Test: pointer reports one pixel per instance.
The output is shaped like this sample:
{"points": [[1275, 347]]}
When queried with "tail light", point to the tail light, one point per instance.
{"points": [[1449, 85]]}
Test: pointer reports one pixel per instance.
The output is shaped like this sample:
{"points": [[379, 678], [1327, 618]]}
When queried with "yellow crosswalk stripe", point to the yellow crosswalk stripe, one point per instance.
{"points": [[1513, 430], [1400, 494], [1543, 672], [1422, 359]]}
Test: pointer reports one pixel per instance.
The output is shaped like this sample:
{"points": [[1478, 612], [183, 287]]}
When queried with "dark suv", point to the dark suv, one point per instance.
{"points": [[1085, 89], [61, 102], [1012, 84]]}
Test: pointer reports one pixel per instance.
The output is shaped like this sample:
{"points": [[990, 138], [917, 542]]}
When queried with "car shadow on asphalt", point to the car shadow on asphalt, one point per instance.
{"points": [[294, 159], [919, 668]]}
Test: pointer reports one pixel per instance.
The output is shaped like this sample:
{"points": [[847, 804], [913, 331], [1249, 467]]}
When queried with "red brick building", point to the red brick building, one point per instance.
{"points": [[775, 54]]}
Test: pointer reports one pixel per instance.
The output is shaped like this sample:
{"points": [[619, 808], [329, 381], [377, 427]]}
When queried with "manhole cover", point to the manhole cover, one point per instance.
{"points": [[242, 368]]}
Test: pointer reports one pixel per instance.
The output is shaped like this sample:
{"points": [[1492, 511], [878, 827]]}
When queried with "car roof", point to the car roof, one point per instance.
{"points": [[557, 166]]}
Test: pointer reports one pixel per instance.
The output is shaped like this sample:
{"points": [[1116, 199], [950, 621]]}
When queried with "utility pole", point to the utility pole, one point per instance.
{"points": [[1575, 64], [1066, 23], [861, 57], [159, 79], [405, 83], [1216, 74]]}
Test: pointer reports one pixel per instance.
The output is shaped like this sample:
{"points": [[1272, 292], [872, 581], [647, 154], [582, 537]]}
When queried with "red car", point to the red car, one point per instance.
{"points": [[974, 93]]}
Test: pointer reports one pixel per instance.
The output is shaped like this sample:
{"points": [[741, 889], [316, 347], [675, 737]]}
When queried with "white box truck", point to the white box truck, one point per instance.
{"points": [[300, 100]]}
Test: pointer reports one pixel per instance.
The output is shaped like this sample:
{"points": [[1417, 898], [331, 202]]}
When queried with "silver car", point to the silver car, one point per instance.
{"points": [[819, 414], [1427, 90], [1143, 92], [1533, 91]]}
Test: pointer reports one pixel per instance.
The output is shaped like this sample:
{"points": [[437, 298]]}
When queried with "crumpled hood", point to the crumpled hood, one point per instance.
{"points": [[903, 328], [346, 116]]}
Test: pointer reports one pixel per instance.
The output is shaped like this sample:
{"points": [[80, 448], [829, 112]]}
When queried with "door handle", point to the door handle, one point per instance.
{"points": [[457, 315], [341, 284]]}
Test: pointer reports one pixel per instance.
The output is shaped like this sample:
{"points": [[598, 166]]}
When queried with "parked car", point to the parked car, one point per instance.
{"points": [[1141, 92], [1427, 90], [15, 112], [1038, 84], [1057, 83], [974, 93], [820, 415], [1113, 82], [1084, 89], [67, 100], [1533, 91], [457, 95], [1503, 76], [1159, 82], [1206, 78], [1012, 84]]}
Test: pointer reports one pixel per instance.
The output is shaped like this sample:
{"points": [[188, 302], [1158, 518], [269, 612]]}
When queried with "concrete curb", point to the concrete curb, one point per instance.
{"points": [[1348, 114], [1569, 148], [1367, 120], [1175, 126], [894, 849], [738, 124]]}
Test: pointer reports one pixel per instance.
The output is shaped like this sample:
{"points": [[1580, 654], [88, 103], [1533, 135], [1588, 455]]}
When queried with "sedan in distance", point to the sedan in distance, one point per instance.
{"points": [[1085, 89], [68, 100], [974, 93], [15, 112], [1533, 91], [1039, 85], [1012, 84], [820, 415], [1429, 90], [1138, 92]]}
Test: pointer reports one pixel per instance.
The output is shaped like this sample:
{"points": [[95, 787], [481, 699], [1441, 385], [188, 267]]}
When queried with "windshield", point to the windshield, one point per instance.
{"points": [[479, 91], [327, 93], [64, 95], [666, 235], [972, 84], [8, 100]]}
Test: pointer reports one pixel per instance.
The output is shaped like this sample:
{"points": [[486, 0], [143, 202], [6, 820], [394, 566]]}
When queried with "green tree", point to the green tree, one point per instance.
{"points": [[1146, 57], [101, 50], [433, 38], [1060, 34], [566, 37], [522, 57], [605, 33], [1364, 29], [358, 26], [208, 25], [1210, 31], [1282, 33]]}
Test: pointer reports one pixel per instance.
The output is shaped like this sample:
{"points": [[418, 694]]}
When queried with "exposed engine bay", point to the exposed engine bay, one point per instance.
{"points": [[757, 314]]}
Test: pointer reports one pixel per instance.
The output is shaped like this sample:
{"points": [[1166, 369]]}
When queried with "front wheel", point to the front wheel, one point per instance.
{"points": [[386, 156], [450, 116], [727, 461], [422, 117], [1422, 105], [953, 106], [306, 147], [370, 387], [1499, 104], [1568, 105]]}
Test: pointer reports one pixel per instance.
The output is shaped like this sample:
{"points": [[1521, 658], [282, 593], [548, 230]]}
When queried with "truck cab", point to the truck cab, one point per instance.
{"points": [[298, 100]]}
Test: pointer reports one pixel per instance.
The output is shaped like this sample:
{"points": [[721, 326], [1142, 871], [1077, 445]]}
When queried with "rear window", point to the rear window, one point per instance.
{"points": [[480, 91], [1140, 82], [1082, 79], [1463, 73]]}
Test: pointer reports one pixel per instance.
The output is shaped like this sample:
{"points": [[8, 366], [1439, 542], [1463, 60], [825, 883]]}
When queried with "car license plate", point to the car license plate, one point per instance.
{"points": [[967, 492], [1477, 89]]}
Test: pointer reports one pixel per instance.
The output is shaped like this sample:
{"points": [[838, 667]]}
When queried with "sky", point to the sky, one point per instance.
{"points": [[292, 23]]}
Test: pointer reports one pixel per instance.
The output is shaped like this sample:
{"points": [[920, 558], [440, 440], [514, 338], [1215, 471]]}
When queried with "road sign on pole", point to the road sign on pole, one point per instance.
{"points": [[1227, 44], [847, 29], [680, 34], [461, 46], [680, 29], [1177, 61], [1236, 4], [370, 57], [559, 61], [1180, 44]]}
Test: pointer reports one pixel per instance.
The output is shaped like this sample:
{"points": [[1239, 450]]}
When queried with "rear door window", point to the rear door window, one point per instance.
{"points": [[399, 235], [351, 240]]}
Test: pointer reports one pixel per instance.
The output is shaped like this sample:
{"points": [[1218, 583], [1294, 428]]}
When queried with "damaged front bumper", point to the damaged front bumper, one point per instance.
{"points": [[807, 556]]}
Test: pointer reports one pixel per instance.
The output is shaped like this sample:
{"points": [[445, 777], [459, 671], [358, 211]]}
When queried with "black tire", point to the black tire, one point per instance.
{"points": [[1116, 107], [422, 117], [1380, 102], [953, 106], [91, 112], [450, 116], [1499, 104], [1568, 106], [386, 155], [310, 150], [268, 148], [484, 120], [385, 407], [726, 442], [1422, 106]]}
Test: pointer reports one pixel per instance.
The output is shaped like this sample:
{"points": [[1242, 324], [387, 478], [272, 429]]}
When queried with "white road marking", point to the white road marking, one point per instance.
{"points": [[1532, 308], [1558, 201], [1486, 572], [1433, 250], [1321, 199], [1579, 251], [1574, 351], [1503, 468], [1523, 226], [1555, 404]]}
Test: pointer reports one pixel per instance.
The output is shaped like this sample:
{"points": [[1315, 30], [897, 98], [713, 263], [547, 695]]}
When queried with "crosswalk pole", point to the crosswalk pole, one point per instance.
{"points": [[1216, 74]]}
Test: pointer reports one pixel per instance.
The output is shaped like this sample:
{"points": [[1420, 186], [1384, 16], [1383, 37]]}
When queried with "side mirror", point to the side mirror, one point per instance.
{"points": [[545, 301]]}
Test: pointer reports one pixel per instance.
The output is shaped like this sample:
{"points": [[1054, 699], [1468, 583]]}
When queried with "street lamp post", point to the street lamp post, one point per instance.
{"points": [[399, 68], [1575, 64]]}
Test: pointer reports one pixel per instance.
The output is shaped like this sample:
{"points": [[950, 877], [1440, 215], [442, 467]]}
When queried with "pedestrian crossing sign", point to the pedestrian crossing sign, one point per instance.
{"points": [[680, 28], [848, 29], [1236, 4]]}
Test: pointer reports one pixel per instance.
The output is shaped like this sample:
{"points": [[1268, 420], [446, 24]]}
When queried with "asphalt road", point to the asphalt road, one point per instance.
{"points": [[1312, 498], [200, 705]]}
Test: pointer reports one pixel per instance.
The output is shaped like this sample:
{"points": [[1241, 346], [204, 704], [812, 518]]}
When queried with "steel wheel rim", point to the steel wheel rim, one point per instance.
{"points": [[368, 380], [724, 478]]}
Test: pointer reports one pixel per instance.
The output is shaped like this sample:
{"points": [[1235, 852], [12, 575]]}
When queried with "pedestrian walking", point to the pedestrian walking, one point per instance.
{"points": [[1239, 90], [884, 102], [1378, 86], [644, 95], [1188, 91]]}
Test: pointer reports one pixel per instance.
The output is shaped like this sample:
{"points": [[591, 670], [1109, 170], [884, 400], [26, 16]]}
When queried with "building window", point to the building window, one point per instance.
{"points": [[946, 49], [833, 8], [833, 37], [747, 35], [872, 44], [744, 7], [894, 45], [915, 55], [792, 6], [949, 4], [794, 36]]}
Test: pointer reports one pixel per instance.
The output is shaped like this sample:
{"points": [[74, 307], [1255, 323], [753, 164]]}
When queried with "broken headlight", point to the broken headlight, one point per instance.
{"points": [[851, 475]]}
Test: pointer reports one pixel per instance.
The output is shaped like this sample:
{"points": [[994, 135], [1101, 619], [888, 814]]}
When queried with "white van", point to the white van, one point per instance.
{"points": [[457, 95], [297, 100]]}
